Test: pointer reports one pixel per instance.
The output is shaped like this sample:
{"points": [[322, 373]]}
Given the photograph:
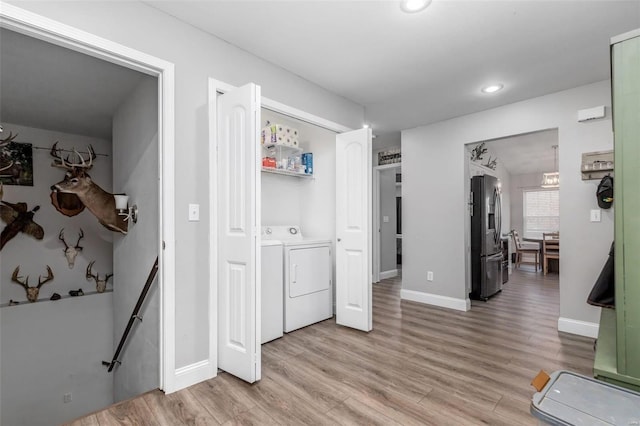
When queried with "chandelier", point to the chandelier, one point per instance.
{"points": [[552, 179]]}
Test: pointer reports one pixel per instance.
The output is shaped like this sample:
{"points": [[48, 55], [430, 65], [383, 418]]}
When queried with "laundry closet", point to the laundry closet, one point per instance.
{"points": [[298, 223]]}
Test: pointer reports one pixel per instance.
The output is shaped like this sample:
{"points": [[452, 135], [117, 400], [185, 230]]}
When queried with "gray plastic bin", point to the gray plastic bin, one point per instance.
{"points": [[571, 399]]}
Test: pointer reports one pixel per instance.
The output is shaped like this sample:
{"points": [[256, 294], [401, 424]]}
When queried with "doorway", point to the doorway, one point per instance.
{"points": [[155, 201], [387, 220], [518, 162]]}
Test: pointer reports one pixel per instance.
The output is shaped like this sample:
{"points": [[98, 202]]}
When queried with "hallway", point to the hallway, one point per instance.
{"points": [[420, 365]]}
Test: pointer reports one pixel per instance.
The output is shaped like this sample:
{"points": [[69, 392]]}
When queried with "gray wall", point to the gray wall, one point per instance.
{"points": [[51, 348], [388, 229], [197, 57], [434, 232], [135, 172]]}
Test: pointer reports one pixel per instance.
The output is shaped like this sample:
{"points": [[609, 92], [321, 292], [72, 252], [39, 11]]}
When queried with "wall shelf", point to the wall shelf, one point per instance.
{"points": [[46, 299], [286, 173]]}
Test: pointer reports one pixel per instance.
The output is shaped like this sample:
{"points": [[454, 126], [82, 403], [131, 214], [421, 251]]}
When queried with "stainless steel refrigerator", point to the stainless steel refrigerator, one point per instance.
{"points": [[486, 250]]}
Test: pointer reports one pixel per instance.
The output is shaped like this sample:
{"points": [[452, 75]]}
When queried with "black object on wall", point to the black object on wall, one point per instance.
{"points": [[603, 292]]}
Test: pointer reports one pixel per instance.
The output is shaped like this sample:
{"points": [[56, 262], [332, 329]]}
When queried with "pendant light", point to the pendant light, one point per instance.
{"points": [[552, 179]]}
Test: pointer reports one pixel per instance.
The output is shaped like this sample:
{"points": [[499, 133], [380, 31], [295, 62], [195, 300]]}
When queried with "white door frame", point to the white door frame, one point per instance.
{"points": [[37, 26], [218, 87], [376, 217]]}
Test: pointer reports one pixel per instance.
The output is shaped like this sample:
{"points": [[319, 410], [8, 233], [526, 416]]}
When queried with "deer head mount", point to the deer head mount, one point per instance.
{"points": [[71, 252], [32, 292], [101, 284], [18, 219], [80, 191]]}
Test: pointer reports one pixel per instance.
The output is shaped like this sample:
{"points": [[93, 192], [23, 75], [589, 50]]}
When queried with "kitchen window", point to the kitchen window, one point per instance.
{"points": [[541, 212]]}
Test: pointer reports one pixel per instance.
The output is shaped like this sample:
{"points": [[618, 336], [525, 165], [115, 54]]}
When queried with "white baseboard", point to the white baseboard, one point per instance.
{"points": [[581, 328], [388, 274], [436, 300], [194, 373]]}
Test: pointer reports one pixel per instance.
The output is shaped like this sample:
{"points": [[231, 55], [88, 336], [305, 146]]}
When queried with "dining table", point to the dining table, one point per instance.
{"points": [[538, 240]]}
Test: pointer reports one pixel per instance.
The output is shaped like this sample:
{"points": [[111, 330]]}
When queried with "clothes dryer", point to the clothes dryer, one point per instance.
{"points": [[308, 277]]}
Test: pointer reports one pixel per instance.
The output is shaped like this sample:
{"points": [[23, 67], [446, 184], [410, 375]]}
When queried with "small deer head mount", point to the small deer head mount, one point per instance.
{"points": [[32, 292], [101, 284], [71, 252]]}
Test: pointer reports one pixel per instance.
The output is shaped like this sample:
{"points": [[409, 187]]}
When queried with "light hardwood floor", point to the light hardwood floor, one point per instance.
{"points": [[420, 365]]}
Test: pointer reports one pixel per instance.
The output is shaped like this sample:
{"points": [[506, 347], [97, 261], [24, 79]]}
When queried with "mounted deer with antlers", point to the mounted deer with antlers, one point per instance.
{"points": [[32, 292], [78, 183], [101, 285], [71, 252]]}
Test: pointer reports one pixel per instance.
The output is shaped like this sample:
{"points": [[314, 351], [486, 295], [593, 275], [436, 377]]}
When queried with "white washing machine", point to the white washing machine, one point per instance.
{"points": [[272, 299], [308, 271]]}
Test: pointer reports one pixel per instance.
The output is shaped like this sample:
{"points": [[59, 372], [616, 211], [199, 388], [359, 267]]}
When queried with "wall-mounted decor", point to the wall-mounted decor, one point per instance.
{"points": [[596, 165], [391, 156], [101, 284], [16, 162], [71, 252], [77, 182], [478, 153], [18, 219], [32, 292], [67, 204]]}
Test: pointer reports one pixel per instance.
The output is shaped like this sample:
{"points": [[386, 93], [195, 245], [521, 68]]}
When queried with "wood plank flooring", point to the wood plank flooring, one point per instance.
{"points": [[420, 365]]}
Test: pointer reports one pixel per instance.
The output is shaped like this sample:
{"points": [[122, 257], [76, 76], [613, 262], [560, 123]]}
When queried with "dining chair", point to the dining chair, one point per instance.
{"points": [[522, 250], [550, 249]]}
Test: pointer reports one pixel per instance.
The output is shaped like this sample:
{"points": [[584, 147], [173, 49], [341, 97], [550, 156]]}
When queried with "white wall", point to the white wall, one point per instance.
{"points": [[388, 229], [32, 255], [135, 172], [51, 348], [197, 57], [434, 215]]}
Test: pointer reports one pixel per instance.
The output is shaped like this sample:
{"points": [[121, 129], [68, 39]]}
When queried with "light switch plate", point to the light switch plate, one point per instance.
{"points": [[385, 219], [595, 215], [194, 212]]}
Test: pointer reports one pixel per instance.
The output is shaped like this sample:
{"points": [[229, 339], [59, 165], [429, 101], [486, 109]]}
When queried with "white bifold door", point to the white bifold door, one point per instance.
{"points": [[353, 229], [238, 222]]}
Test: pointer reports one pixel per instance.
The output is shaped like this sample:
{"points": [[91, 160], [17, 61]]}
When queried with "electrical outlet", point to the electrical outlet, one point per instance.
{"points": [[595, 215], [429, 275], [67, 397]]}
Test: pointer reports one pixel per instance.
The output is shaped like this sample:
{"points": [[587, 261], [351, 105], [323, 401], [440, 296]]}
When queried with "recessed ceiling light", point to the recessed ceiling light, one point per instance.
{"points": [[413, 6], [492, 89]]}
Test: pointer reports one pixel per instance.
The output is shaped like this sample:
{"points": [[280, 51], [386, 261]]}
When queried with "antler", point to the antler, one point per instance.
{"points": [[16, 278], [2, 169], [80, 236], [61, 238], [106, 279], [47, 279], [8, 139], [89, 274], [67, 164]]}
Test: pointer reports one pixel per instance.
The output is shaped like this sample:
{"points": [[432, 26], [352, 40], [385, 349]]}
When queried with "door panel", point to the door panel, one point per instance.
{"points": [[307, 274], [238, 219], [353, 229]]}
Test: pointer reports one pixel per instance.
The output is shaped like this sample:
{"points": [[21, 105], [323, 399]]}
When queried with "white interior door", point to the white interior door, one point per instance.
{"points": [[238, 204], [353, 229]]}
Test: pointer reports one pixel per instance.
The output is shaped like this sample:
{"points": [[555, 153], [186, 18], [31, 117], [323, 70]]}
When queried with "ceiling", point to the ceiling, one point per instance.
{"points": [[413, 69], [51, 87], [527, 153]]}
